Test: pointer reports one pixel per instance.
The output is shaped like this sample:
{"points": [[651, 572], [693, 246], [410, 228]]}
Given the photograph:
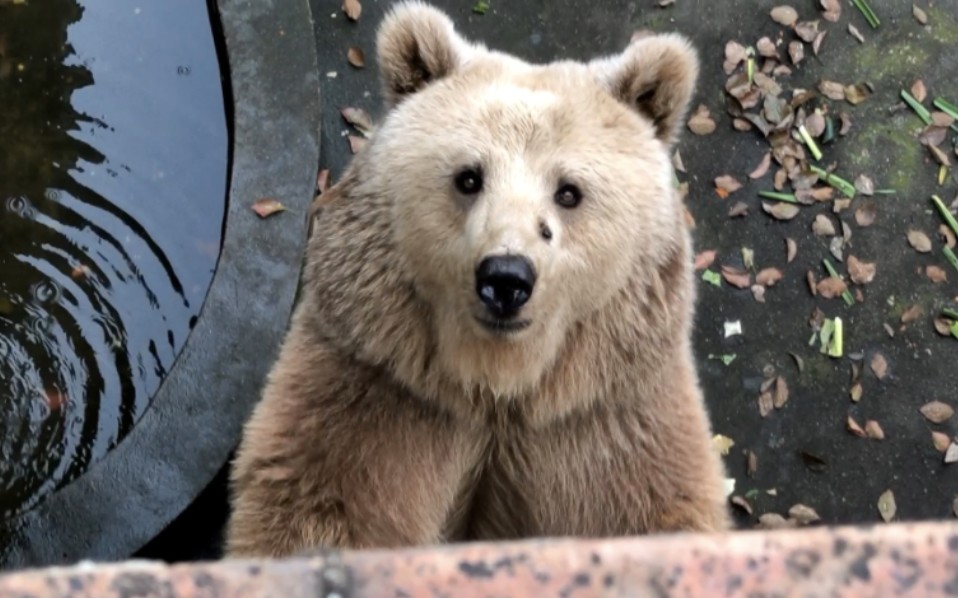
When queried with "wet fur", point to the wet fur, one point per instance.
{"points": [[390, 420]]}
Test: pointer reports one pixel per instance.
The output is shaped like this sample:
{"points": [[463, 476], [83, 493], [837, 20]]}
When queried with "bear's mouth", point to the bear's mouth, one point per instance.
{"points": [[503, 326]]}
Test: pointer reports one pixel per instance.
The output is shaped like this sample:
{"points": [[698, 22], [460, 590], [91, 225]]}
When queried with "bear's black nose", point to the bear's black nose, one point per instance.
{"points": [[504, 283]]}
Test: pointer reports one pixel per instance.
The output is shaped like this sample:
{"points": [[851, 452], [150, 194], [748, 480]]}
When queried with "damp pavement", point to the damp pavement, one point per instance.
{"points": [[805, 454]]}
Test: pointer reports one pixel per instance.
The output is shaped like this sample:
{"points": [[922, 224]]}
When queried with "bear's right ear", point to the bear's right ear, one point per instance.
{"points": [[416, 45]]}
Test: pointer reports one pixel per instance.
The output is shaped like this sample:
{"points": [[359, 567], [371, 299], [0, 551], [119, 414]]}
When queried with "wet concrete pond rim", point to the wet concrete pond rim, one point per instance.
{"points": [[197, 414]]}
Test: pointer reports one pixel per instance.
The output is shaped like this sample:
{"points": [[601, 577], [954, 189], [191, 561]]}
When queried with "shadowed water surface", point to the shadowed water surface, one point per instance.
{"points": [[113, 165]]}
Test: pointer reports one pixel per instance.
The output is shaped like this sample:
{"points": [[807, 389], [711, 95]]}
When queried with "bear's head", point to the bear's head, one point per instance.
{"points": [[523, 197]]}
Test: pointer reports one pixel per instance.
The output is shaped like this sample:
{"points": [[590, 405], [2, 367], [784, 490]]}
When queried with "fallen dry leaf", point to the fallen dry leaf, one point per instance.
{"points": [[936, 274], [941, 441], [865, 214], [768, 277], [919, 241], [735, 53], [774, 521], [791, 250], [831, 287], [864, 185], [879, 366], [762, 167], [947, 235], [940, 156], [919, 15], [807, 30], [784, 15], [873, 430], [886, 506], [701, 122], [737, 278], [704, 259], [765, 403], [796, 51], [856, 33], [727, 183], [911, 314], [933, 135], [356, 57], [780, 210], [855, 392], [358, 118], [854, 428], [766, 48], [918, 90], [758, 292], [356, 143], [831, 10], [937, 412], [742, 503], [722, 444], [857, 93], [822, 226], [951, 453], [739, 208], [353, 9], [943, 326], [832, 90], [803, 514], [815, 124], [266, 207], [781, 392], [941, 119], [860, 272]]}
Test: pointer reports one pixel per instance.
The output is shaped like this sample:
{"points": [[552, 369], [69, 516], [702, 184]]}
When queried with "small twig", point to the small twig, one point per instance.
{"points": [[750, 63], [812, 146], [867, 12], [917, 106], [835, 347], [846, 295], [786, 197], [847, 189]]}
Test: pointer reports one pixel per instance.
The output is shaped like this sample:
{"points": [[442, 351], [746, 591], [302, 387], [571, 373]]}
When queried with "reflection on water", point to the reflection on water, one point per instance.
{"points": [[113, 158]]}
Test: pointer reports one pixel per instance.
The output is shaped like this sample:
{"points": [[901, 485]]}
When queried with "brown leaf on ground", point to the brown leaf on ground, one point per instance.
{"points": [[740, 124], [860, 272], [765, 403], [855, 392], [758, 292], [940, 156], [879, 366], [791, 250], [831, 10], [266, 207], [781, 392], [943, 326], [739, 208], [358, 118], [762, 167], [886, 506], [873, 430], [933, 135], [951, 453], [941, 441], [780, 210], [852, 426], [866, 213], [704, 259], [941, 119], [768, 277], [835, 246], [803, 514], [846, 124], [742, 503], [356, 57], [796, 51], [937, 412], [919, 15], [840, 205], [774, 521], [911, 314], [831, 287], [728, 184], [353, 9], [936, 274], [864, 185], [919, 241], [832, 89], [822, 226], [815, 124], [817, 42], [784, 15], [947, 235], [322, 180], [356, 143], [856, 33], [806, 30], [918, 90], [857, 93], [701, 122], [737, 278], [734, 55], [766, 48], [812, 283]]}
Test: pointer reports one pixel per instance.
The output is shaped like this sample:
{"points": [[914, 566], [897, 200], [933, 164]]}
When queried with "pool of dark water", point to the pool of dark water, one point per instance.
{"points": [[113, 172]]}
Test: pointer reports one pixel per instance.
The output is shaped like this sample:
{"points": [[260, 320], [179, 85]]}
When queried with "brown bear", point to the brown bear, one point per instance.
{"points": [[493, 335]]}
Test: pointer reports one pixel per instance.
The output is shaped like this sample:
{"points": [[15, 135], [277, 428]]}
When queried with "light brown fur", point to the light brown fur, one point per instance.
{"points": [[391, 418]]}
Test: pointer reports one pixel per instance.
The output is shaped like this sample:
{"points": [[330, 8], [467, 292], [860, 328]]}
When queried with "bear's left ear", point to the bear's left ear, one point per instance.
{"points": [[656, 76], [416, 45]]}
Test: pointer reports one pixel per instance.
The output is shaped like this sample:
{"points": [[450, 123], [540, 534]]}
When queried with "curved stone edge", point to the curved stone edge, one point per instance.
{"points": [[899, 559], [196, 417]]}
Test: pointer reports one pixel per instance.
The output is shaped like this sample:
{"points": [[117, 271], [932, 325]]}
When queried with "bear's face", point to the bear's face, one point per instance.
{"points": [[524, 196]]}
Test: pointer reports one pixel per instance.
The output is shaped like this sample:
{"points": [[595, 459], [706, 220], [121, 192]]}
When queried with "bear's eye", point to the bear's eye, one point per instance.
{"points": [[469, 181], [568, 196]]}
